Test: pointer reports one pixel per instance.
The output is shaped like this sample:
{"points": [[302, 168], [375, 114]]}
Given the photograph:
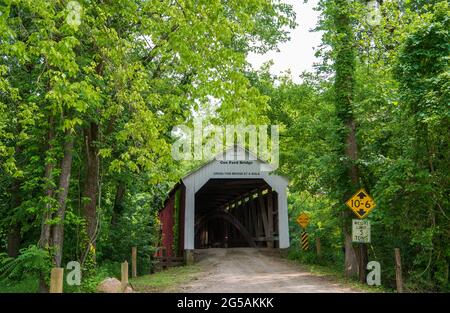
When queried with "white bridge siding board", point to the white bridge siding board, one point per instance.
{"points": [[246, 167]]}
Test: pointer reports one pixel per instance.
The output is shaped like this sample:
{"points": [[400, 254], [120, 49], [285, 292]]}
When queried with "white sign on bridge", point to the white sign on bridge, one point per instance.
{"points": [[361, 231]]}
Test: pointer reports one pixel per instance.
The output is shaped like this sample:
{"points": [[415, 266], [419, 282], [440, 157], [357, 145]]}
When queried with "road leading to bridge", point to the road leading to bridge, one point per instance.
{"points": [[253, 270]]}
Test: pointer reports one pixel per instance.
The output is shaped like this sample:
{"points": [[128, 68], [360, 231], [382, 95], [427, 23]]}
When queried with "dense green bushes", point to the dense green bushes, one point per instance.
{"points": [[402, 114]]}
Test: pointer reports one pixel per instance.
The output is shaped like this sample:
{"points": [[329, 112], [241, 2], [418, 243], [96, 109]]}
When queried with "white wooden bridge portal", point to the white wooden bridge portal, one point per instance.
{"points": [[231, 201]]}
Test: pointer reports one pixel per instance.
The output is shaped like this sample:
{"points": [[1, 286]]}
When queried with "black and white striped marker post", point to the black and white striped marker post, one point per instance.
{"points": [[304, 240]]}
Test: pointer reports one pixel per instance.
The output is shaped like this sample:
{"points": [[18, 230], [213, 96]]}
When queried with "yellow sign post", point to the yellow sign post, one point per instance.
{"points": [[361, 203], [303, 220]]}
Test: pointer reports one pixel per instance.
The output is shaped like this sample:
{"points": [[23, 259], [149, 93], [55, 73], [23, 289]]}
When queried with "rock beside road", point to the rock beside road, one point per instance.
{"points": [[112, 285]]}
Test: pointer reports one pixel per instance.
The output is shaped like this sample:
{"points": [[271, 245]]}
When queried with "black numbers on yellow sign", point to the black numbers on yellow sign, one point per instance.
{"points": [[357, 204]]}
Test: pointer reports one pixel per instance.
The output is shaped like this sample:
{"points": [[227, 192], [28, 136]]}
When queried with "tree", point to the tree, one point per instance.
{"points": [[92, 90]]}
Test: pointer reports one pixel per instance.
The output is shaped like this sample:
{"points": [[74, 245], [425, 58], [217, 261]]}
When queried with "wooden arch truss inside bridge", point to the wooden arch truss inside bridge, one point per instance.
{"points": [[236, 213]]}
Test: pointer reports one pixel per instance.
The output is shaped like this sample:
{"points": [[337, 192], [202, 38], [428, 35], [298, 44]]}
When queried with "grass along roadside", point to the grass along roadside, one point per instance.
{"points": [[27, 285], [338, 276], [163, 281], [166, 280]]}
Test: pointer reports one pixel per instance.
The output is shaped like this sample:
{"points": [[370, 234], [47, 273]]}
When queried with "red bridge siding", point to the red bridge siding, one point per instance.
{"points": [[167, 220], [181, 223]]}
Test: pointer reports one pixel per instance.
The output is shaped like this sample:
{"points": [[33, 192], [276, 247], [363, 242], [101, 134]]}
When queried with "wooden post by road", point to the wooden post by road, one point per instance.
{"points": [[124, 278], [398, 271], [56, 280], [133, 262], [318, 247]]}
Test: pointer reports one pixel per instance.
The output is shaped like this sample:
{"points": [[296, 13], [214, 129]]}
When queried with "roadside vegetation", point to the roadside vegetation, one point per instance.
{"points": [[87, 107], [167, 280]]}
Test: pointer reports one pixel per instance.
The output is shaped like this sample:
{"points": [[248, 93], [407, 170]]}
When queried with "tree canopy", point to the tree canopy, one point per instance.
{"points": [[90, 91]]}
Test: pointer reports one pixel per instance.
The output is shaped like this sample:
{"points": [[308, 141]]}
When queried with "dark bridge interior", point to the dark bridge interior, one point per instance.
{"points": [[236, 213]]}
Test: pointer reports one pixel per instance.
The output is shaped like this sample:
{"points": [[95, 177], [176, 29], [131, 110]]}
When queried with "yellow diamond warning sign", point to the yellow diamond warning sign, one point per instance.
{"points": [[361, 203], [303, 220]]}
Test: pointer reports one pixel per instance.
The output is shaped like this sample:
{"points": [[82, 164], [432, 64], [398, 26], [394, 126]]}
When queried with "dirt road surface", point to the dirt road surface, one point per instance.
{"points": [[255, 270]]}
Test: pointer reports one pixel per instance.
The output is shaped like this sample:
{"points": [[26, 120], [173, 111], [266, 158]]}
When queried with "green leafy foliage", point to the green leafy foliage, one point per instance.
{"points": [[114, 78], [30, 262], [132, 70], [401, 110]]}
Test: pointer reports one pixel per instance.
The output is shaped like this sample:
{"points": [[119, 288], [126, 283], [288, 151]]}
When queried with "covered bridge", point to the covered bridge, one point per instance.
{"points": [[231, 201]]}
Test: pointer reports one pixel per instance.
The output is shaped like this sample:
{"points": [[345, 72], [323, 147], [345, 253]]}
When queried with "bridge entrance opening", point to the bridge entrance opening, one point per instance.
{"points": [[236, 213]]}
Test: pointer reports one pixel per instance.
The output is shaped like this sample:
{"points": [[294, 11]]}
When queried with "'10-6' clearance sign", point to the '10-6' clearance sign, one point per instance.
{"points": [[361, 203]]}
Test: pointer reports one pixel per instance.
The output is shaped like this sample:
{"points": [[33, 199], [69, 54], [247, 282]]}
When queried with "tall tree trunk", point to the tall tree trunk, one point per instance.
{"points": [[14, 236], [344, 47], [115, 218], [63, 189], [14, 240], [351, 263], [351, 150], [118, 203], [91, 181], [355, 260], [44, 239]]}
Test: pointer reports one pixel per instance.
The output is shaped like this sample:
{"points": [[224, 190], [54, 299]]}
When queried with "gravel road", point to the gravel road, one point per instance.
{"points": [[255, 270]]}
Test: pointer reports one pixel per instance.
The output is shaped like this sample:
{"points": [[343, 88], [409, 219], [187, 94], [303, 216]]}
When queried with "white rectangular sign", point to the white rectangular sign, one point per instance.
{"points": [[361, 231]]}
